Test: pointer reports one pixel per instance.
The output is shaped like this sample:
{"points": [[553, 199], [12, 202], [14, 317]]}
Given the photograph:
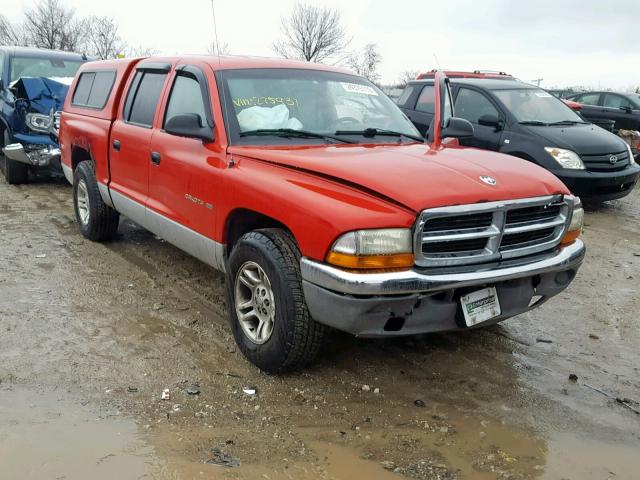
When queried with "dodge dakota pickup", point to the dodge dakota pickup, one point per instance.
{"points": [[317, 197], [33, 86]]}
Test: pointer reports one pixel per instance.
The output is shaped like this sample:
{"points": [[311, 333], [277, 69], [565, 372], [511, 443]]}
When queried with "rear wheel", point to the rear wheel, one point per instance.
{"points": [[269, 317], [15, 173], [97, 220]]}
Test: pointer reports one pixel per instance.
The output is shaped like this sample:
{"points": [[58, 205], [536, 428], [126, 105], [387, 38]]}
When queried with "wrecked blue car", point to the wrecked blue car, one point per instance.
{"points": [[33, 86]]}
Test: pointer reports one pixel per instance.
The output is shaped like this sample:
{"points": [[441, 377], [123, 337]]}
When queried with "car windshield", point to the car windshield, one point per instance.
{"points": [[312, 106], [535, 106], [54, 68]]}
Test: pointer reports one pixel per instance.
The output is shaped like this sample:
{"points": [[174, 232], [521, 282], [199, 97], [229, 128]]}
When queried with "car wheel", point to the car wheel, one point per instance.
{"points": [[15, 173], [97, 220], [268, 313]]}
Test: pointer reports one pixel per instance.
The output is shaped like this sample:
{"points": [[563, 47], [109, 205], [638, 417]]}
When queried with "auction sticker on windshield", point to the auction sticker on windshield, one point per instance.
{"points": [[480, 306], [357, 88]]}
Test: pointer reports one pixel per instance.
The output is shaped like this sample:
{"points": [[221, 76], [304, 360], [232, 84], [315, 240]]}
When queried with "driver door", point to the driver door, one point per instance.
{"points": [[473, 105]]}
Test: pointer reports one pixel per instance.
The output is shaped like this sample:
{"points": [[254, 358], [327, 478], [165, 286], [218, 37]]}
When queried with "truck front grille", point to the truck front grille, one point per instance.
{"points": [[489, 232]]}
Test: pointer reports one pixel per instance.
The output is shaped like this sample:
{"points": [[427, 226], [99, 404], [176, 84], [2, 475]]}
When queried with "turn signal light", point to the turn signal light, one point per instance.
{"points": [[575, 227], [371, 262]]}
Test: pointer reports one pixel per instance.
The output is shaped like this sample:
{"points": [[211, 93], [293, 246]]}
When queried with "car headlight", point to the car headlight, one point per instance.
{"points": [[387, 248], [566, 158], [632, 161], [38, 122], [577, 221]]}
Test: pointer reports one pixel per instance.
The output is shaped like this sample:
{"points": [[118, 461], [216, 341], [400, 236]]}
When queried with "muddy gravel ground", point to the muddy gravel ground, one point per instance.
{"points": [[91, 334]]}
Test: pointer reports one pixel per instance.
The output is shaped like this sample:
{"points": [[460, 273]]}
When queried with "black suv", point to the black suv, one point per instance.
{"points": [[522, 120], [622, 108]]}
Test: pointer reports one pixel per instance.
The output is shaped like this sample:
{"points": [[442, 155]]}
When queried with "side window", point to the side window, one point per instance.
{"points": [[93, 89], [471, 105], [142, 98], [186, 97], [588, 98], [426, 99], [404, 96], [616, 101]]}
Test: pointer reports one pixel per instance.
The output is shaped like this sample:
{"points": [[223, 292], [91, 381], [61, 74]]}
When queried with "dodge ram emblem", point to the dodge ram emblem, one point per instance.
{"points": [[613, 159], [488, 180]]}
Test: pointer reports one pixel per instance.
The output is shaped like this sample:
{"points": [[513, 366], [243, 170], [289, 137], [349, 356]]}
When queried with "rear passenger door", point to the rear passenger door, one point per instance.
{"points": [[130, 155], [473, 105], [185, 176]]}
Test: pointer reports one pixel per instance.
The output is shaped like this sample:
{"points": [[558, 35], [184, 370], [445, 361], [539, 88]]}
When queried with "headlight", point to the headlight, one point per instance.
{"points": [[632, 161], [577, 221], [38, 122], [566, 158], [387, 248]]}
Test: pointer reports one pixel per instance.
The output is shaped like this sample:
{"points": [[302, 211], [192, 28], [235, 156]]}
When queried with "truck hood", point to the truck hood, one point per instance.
{"points": [[584, 139], [42, 93], [416, 176]]}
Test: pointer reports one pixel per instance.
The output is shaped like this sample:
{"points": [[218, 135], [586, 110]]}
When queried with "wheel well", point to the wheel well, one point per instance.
{"points": [[78, 154], [242, 221]]}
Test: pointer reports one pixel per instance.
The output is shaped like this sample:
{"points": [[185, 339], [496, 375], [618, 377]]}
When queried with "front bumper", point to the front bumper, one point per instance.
{"points": [[600, 186], [417, 301], [41, 156]]}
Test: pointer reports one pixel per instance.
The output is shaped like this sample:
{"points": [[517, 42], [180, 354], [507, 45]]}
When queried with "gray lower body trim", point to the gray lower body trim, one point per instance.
{"points": [[195, 244], [68, 174]]}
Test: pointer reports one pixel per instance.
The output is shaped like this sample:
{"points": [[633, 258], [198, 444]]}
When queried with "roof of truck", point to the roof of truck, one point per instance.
{"points": [[487, 83], [227, 62]]}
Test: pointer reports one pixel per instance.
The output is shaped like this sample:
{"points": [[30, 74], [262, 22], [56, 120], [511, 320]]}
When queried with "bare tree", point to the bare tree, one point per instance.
{"points": [[50, 25], [11, 34], [212, 49], [365, 62], [406, 76], [312, 33], [132, 51], [102, 39]]}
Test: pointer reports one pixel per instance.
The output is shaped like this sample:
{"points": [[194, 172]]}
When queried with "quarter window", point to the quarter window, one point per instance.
{"points": [[186, 97], [471, 105], [93, 89], [426, 100], [616, 101], [142, 98]]}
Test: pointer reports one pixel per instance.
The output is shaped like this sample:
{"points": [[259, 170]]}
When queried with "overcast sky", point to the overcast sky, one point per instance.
{"points": [[565, 42]]}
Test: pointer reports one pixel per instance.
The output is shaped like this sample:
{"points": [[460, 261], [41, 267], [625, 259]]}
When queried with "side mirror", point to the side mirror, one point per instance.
{"points": [[626, 109], [189, 125], [489, 120], [457, 128]]}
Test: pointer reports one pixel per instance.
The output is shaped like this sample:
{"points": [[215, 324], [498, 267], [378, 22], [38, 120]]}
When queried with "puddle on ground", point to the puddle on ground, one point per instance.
{"points": [[47, 435]]}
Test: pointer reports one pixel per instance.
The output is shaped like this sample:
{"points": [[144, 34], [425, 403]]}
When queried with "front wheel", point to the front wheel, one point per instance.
{"points": [[268, 314], [97, 220]]}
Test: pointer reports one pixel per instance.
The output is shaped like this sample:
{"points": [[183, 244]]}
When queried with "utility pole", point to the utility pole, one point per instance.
{"points": [[537, 81]]}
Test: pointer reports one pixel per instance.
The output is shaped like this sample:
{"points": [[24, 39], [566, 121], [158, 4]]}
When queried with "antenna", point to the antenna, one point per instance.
{"points": [[435, 57], [215, 29]]}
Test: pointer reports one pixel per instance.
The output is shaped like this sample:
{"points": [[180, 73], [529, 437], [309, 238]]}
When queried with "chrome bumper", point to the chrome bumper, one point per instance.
{"points": [[38, 158], [415, 302], [412, 281]]}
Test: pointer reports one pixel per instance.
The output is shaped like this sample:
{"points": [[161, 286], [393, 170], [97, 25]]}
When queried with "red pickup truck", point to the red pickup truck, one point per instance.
{"points": [[317, 197]]}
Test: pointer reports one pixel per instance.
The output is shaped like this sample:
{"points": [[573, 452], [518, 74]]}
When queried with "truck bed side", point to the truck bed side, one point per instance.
{"points": [[85, 131]]}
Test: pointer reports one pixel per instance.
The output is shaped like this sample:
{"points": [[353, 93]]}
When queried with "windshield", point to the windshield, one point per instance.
{"points": [[54, 68], [534, 105], [270, 104]]}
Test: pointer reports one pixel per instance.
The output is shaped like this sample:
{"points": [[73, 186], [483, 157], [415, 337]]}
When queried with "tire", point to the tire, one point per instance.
{"points": [[97, 220], [295, 337], [15, 173]]}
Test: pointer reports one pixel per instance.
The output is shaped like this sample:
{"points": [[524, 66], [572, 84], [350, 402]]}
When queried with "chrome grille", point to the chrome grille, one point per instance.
{"points": [[487, 232]]}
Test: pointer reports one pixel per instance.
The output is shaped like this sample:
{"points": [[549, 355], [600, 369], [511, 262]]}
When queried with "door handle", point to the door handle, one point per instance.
{"points": [[116, 145], [155, 158]]}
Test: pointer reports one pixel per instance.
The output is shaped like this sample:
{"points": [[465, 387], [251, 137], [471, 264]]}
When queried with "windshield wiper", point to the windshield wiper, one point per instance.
{"points": [[372, 132], [534, 122], [567, 122], [290, 132]]}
